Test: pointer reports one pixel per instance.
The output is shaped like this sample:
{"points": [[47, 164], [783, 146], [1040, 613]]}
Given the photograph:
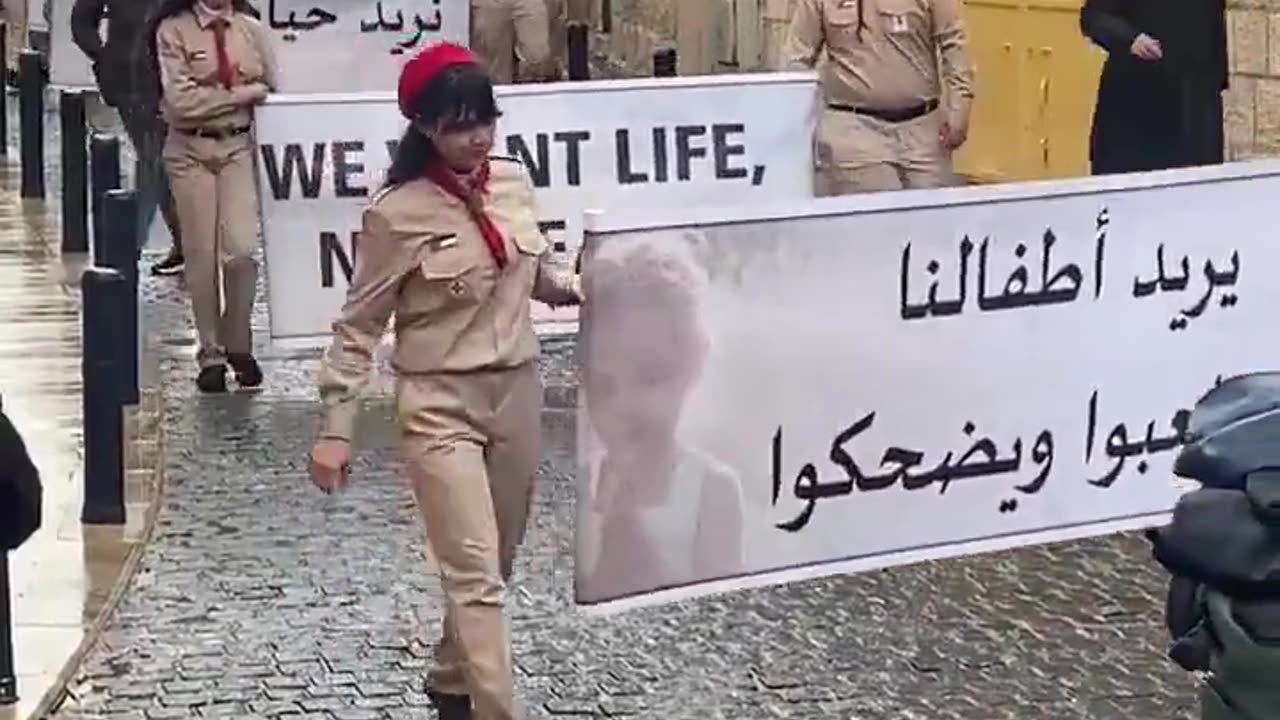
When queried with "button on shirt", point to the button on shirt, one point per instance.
{"points": [[884, 54], [194, 96]]}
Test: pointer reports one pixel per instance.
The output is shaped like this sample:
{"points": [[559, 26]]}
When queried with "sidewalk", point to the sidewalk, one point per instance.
{"points": [[64, 575], [259, 598]]}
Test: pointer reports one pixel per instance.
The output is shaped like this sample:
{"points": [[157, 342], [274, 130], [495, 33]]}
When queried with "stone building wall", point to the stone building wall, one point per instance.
{"points": [[1253, 100]]}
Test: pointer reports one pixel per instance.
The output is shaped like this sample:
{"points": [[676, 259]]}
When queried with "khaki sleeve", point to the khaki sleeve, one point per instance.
{"points": [[804, 36], [957, 72], [372, 297], [186, 98], [270, 66]]}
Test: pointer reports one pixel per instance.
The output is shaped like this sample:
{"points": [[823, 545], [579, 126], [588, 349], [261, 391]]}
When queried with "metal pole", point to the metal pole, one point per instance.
{"points": [[664, 62], [4, 95], [104, 302], [75, 165], [31, 86], [104, 169], [8, 679], [579, 65], [120, 226]]}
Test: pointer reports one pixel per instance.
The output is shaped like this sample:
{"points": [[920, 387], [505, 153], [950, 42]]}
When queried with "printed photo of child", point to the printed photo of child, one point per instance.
{"points": [[659, 513]]}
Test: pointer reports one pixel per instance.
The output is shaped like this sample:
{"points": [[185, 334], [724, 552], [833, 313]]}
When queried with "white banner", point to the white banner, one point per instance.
{"points": [[863, 382], [356, 45], [655, 144], [334, 46]]}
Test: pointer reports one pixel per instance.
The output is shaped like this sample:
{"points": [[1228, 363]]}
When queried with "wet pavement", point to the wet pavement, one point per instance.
{"points": [[62, 578], [257, 597]]}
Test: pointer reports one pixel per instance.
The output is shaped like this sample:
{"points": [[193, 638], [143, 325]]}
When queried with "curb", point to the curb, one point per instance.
{"points": [[58, 692]]}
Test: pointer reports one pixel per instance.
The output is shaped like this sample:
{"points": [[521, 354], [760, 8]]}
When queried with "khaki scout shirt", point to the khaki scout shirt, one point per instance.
{"points": [[422, 257], [188, 57], [884, 54]]}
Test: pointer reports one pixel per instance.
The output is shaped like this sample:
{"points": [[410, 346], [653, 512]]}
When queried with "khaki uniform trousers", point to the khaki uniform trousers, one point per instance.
{"points": [[857, 153], [213, 187], [471, 444], [504, 31]]}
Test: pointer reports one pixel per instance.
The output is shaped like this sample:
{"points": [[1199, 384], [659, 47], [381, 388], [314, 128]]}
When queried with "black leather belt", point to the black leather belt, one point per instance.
{"points": [[214, 133], [894, 116]]}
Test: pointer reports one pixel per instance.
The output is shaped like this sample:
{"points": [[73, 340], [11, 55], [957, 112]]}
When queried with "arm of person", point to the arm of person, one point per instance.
{"points": [[371, 299], [190, 100], [956, 69], [85, 17], [270, 66], [1103, 22], [804, 36], [555, 284], [719, 536]]}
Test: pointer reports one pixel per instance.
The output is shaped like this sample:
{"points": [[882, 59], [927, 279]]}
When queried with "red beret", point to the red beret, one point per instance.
{"points": [[424, 67]]}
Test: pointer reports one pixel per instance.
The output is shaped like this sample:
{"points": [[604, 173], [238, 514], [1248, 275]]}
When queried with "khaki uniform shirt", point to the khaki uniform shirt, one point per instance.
{"points": [[422, 257], [188, 58], [884, 54]]}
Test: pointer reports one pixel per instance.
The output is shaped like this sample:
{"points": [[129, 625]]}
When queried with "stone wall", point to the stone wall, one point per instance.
{"points": [[1253, 101]]}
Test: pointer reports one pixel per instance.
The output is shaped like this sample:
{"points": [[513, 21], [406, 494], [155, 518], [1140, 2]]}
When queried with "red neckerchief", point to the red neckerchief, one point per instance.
{"points": [[473, 198]]}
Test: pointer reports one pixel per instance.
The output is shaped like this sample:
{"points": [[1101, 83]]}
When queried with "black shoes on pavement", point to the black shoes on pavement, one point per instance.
{"points": [[451, 707], [213, 379], [172, 264], [248, 374]]}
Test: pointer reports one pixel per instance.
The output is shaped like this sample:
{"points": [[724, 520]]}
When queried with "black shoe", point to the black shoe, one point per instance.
{"points": [[172, 264], [248, 373], [450, 707], [212, 379]]}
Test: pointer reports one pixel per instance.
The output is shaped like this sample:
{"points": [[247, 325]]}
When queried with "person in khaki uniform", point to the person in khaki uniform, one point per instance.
{"points": [[512, 39], [15, 18], [887, 125], [215, 64], [451, 247]]}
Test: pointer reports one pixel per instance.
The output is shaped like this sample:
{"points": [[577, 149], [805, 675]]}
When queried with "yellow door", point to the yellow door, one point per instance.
{"points": [[1036, 84]]}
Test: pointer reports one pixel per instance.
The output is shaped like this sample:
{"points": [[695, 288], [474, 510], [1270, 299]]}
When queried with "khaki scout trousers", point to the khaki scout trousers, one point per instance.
{"points": [[214, 192], [504, 31], [471, 444], [856, 153]]}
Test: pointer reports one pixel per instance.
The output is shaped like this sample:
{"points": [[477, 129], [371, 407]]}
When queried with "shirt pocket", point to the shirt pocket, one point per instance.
{"points": [[448, 278], [902, 17], [843, 20], [203, 65]]}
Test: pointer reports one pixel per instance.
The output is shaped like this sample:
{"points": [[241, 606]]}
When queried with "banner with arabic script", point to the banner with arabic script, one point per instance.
{"points": [[356, 45], [847, 384], [322, 46]]}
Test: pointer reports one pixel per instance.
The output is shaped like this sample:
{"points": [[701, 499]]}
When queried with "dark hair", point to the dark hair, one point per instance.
{"points": [[461, 97], [148, 61]]}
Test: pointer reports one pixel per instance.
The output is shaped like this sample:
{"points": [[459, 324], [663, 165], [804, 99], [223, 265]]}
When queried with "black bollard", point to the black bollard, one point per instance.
{"points": [[4, 96], [579, 65], [105, 303], [120, 230], [104, 172], [75, 165], [31, 84], [8, 678], [664, 62]]}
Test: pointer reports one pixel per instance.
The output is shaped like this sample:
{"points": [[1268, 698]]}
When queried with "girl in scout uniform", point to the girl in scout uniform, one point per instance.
{"points": [[214, 62], [451, 246]]}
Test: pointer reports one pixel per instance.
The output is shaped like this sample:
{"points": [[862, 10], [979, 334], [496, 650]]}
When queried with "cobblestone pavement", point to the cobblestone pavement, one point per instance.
{"points": [[259, 598]]}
